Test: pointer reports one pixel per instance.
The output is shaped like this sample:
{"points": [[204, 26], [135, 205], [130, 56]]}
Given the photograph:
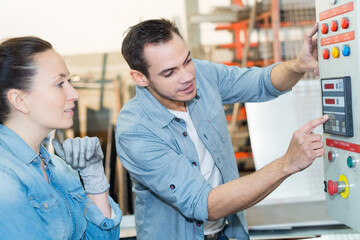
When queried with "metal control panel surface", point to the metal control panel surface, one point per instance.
{"points": [[339, 66]]}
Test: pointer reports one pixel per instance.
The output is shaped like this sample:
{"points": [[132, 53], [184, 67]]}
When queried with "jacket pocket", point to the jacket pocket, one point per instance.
{"points": [[49, 210], [217, 120], [78, 194], [44, 204]]}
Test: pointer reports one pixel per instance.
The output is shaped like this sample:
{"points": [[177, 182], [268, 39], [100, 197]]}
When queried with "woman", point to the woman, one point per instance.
{"points": [[41, 196]]}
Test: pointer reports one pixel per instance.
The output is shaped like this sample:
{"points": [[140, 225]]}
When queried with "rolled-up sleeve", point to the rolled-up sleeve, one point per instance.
{"points": [[165, 172], [100, 227]]}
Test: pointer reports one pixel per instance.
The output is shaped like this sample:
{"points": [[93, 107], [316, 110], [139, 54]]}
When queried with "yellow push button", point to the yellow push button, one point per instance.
{"points": [[335, 52]]}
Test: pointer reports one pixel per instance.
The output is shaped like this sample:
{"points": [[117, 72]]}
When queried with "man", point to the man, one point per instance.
{"points": [[173, 139]]}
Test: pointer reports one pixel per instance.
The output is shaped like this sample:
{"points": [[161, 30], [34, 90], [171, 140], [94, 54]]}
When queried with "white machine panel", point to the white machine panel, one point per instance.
{"points": [[339, 65]]}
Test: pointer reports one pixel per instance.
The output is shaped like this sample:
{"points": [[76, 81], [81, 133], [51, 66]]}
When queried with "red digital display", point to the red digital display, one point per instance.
{"points": [[329, 101], [329, 86]]}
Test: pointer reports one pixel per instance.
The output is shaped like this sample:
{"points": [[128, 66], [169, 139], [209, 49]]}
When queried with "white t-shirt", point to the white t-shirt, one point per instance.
{"points": [[207, 167]]}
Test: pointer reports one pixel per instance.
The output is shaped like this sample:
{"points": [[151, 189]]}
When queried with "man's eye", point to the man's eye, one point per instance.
{"points": [[169, 74], [60, 84]]}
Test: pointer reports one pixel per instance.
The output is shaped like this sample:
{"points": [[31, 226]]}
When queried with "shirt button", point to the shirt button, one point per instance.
{"points": [[79, 196], [45, 205], [172, 186], [185, 134], [193, 163], [198, 224], [177, 119]]}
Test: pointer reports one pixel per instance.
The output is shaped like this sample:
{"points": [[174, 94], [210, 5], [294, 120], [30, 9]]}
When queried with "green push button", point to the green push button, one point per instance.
{"points": [[350, 162]]}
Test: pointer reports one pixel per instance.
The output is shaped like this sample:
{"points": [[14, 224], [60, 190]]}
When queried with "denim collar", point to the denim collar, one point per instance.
{"points": [[21, 150], [154, 108]]}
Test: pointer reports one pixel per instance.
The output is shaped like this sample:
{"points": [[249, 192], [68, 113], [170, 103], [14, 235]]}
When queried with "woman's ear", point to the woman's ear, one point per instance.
{"points": [[16, 99], [139, 78]]}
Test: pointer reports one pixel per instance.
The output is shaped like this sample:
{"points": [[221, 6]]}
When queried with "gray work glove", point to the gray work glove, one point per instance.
{"points": [[85, 155]]}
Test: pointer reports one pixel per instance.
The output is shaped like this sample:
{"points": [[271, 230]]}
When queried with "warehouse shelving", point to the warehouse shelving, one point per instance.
{"points": [[271, 18]]}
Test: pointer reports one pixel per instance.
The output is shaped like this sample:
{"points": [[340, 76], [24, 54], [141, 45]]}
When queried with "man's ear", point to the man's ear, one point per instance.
{"points": [[139, 78], [16, 98]]}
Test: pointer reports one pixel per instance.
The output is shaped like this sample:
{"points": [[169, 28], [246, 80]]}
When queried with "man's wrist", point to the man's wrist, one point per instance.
{"points": [[296, 67]]}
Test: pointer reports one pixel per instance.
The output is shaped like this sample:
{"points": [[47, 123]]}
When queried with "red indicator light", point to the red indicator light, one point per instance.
{"points": [[329, 86], [329, 101], [334, 25], [330, 156], [324, 28], [326, 53], [344, 23]]}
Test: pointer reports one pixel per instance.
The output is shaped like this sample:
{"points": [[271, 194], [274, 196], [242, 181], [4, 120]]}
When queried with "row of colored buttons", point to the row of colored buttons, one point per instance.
{"points": [[334, 25], [350, 161], [336, 52]]}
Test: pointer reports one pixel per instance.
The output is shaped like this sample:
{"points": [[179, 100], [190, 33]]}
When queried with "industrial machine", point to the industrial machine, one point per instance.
{"points": [[339, 65]]}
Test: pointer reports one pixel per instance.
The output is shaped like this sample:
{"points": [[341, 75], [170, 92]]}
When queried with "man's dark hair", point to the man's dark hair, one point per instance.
{"points": [[154, 31]]}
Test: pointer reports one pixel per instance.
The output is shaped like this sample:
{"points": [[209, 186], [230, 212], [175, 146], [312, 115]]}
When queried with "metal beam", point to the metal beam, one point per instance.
{"points": [[275, 19], [193, 29]]}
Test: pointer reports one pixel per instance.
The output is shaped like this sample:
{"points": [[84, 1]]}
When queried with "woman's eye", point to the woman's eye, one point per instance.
{"points": [[60, 84]]}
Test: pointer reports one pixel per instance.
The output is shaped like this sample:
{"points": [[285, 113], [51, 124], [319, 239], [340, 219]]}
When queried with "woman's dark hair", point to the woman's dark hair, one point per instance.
{"points": [[17, 67], [153, 31]]}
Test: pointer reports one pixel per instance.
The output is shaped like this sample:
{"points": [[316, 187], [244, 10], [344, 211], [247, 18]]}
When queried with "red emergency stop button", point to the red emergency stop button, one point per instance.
{"points": [[332, 187], [324, 28], [344, 23], [326, 53], [341, 187], [334, 25]]}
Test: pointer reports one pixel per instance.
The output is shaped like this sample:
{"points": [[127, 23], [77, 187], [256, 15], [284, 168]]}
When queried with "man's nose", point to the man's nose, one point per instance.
{"points": [[186, 76]]}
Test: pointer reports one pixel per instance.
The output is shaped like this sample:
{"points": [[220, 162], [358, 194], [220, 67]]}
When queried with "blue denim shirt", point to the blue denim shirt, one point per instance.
{"points": [[32, 208], [171, 193]]}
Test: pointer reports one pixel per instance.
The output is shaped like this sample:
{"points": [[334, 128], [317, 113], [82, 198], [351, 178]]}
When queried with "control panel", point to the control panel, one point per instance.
{"points": [[339, 66], [336, 102]]}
